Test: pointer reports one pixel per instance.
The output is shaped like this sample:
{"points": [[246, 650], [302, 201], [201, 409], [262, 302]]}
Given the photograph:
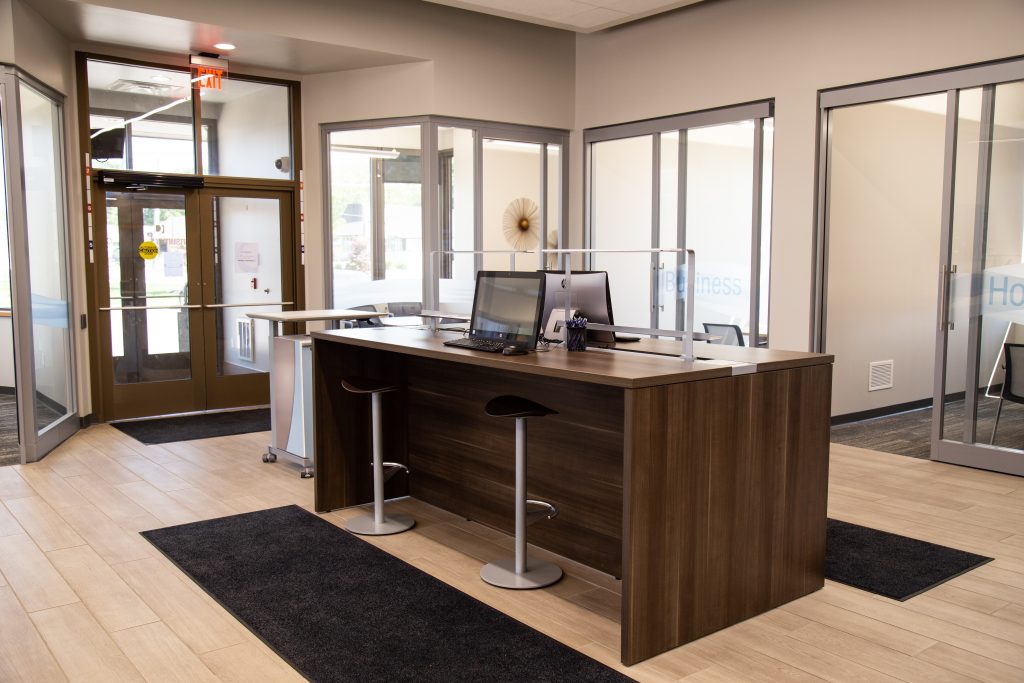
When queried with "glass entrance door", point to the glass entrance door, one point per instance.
{"points": [[979, 420], [179, 272], [153, 306], [247, 268]]}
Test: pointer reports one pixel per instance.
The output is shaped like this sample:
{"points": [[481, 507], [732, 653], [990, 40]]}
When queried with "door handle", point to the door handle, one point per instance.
{"points": [[148, 308], [255, 303]]}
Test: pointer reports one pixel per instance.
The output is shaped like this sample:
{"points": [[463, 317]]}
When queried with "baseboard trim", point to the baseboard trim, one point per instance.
{"points": [[893, 409]]}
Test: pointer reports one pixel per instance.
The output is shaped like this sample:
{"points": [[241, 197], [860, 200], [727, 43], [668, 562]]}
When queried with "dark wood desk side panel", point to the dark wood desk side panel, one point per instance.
{"points": [[724, 518], [342, 427], [463, 460]]}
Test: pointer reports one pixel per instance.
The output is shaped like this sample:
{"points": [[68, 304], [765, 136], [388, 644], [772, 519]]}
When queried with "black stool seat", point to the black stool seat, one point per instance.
{"points": [[366, 385], [516, 406]]}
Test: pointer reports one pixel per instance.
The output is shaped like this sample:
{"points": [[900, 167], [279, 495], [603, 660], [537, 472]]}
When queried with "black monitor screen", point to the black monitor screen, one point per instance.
{"points": [[108, 145], [507, 306], [591, 297]]}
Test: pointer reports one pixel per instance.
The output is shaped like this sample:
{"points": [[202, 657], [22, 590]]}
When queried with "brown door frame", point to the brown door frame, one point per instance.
{"points": [[93, 220]]}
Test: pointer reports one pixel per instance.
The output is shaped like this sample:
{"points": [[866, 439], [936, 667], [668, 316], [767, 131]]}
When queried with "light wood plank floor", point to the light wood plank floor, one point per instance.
{"points": [[83, 597]]}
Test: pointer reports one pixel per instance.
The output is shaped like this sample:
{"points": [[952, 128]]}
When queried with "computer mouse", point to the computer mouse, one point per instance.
{"points": [[514, 350]]}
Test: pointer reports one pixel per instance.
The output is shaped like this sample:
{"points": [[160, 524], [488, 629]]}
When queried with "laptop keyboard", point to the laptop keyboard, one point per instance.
{"points": [[489, 345]]}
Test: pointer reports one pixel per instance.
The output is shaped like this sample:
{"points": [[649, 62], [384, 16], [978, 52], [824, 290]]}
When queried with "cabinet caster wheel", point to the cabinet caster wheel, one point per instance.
{"points": [[306, 475], [269, 457]]}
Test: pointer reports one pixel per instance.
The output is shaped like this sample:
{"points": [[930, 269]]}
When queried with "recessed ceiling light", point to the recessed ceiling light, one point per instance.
{"points": [[224, 46], [161, 79]]}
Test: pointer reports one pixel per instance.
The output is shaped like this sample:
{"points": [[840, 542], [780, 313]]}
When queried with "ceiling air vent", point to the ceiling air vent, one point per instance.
{"points": [[880, 375], [145, 87]]}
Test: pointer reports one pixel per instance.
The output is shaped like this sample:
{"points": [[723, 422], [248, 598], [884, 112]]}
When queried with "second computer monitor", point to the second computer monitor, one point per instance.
{"points": [[591, 296]]}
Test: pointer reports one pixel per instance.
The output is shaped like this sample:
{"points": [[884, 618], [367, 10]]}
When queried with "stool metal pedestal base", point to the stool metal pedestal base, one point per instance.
{"points": [[392, 524], [502, 573]]}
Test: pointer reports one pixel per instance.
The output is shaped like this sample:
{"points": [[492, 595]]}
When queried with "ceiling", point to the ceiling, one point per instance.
{"points": [[86, 23], [581, 16]]}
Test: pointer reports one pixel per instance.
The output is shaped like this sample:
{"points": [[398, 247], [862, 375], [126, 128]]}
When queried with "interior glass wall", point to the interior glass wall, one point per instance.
{"points": [[37, 390], [699, 182], [246, 130], [620, 187], [141, 118], [885, 195], [922, 225], [376, 216], [985, 349], [10, 450], [483, 187], [47, 251]]}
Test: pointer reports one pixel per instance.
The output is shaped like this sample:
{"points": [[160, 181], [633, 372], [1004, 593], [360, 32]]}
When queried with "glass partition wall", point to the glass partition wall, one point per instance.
{"points": [[922, 184], [401, 189], [693, 181], [37, 374]]}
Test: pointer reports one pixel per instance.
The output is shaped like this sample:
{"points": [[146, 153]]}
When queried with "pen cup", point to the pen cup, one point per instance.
{"points": [[576, 338]]}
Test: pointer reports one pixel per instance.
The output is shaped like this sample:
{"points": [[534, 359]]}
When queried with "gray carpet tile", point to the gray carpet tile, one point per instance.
{"points": [[909, 433]]}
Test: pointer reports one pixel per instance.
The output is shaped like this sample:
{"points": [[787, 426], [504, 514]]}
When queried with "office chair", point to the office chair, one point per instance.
{"points": [[369, 322], [400, 308], [1013, 387], [731, 335]]}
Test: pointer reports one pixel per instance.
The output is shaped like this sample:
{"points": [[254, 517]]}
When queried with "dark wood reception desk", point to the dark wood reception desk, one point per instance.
{"points": [[702, 485]]}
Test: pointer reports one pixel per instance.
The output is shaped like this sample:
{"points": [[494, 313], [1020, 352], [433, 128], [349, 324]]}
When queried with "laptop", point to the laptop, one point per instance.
{"points": [[506, 311]]}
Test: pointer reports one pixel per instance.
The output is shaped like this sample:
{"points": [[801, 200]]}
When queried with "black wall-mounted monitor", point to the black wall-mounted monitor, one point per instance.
{"points": [[108, 145]]}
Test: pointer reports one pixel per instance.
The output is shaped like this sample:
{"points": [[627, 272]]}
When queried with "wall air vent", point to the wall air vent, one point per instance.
{"points": [[246, 339], [880, 375]]}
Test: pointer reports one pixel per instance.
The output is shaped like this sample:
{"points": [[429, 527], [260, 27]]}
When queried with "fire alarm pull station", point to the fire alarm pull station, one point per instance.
{"points": [[253, 283]]}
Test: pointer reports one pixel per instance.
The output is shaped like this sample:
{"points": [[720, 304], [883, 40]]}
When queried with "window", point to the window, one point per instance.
{"points": [[692, 181], [381, 250], [141, 119]]}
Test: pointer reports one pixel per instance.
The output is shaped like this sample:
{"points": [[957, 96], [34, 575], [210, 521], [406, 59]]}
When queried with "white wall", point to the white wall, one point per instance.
{"points": [[720, 53], [6, 32]]}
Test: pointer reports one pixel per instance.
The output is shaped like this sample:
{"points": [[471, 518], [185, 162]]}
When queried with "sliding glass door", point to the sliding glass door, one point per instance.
{"points": [[923, 185], [980, 421]]}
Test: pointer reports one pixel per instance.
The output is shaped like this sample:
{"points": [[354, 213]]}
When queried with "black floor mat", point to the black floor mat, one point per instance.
{"points": [[888, 564], [167, 429], [339, 609]]}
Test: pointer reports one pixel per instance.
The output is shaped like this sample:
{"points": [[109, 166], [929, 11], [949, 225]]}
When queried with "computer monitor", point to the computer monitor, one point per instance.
{"points": [[591, 297], [507, 306]]}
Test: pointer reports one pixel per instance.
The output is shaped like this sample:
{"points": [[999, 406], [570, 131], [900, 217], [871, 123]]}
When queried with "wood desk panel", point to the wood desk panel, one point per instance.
{"points": [[725, 509], [464, 460]]}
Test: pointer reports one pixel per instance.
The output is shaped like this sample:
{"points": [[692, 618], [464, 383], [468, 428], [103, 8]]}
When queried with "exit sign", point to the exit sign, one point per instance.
{"points": [[208, 73]]}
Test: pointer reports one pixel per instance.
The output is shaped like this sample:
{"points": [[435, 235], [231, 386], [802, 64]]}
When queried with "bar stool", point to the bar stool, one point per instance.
{"points": [[377, 524], [519, 572]]}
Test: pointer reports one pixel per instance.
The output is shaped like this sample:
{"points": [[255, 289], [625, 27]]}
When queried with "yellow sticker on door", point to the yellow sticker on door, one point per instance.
{"points": [[148, 250]]}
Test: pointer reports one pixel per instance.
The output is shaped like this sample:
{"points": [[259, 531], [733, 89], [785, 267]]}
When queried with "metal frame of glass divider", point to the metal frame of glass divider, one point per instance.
{"points": [[687, 334], [34, 443]]}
